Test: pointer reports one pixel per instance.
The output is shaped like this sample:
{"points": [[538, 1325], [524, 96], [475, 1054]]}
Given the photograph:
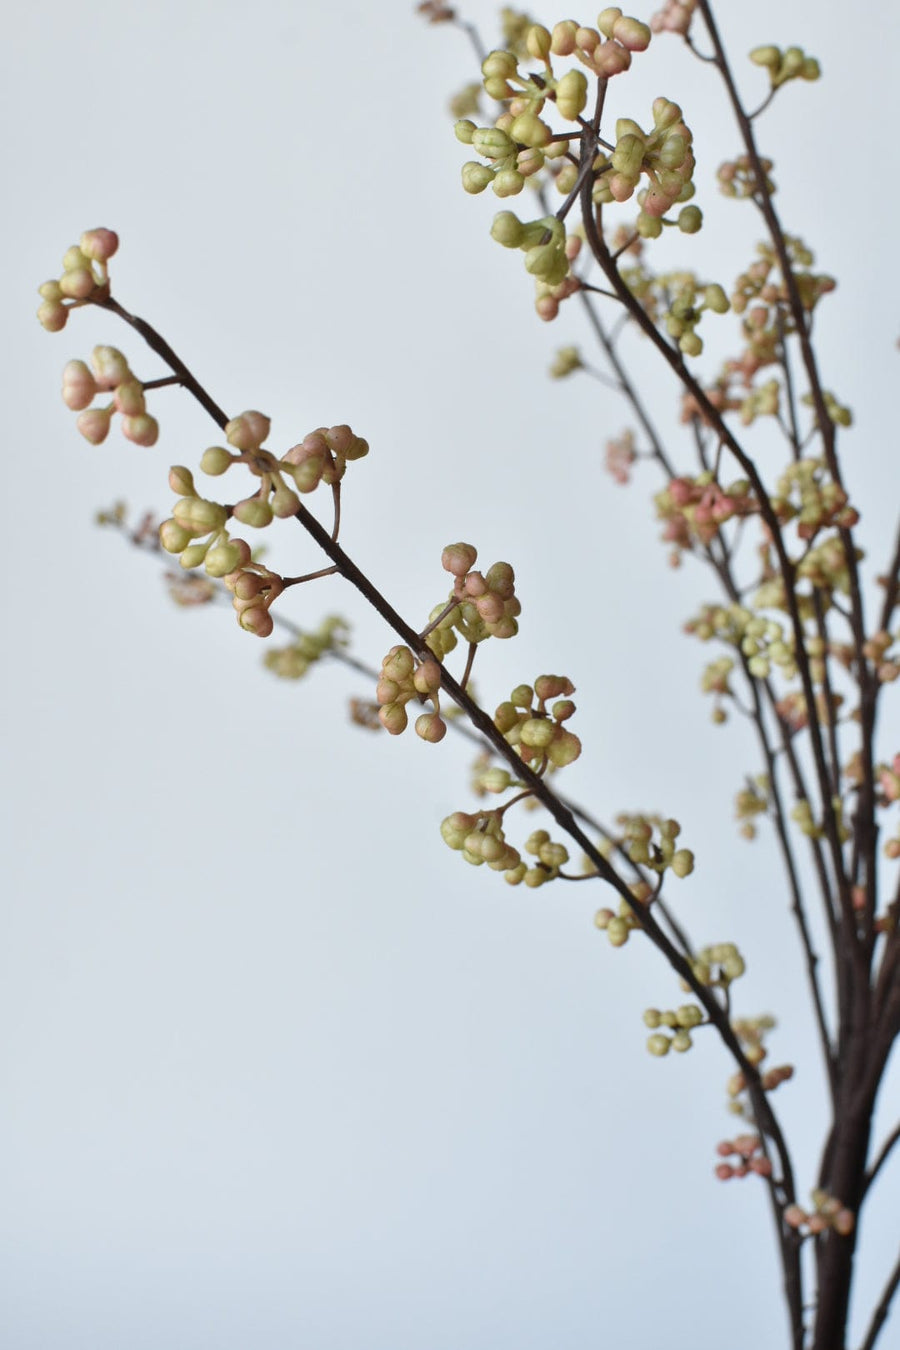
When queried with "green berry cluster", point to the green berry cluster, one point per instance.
{"points": [[827, 1213], [664, 157], [806, 493], [752, 801], [549, 857], [718, 965], [108, 373], [538, 733], [480, 605], [687, 307], [84, 278], [404, 677], [480, 839], [292, 662], [618, 927], [680, 1021], [737, 178], [659, 854], [790, 64]]}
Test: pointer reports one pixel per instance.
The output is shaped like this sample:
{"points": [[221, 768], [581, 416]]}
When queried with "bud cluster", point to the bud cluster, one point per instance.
{"points": [[737, 177], [539, 735], [637, 840], [717, 965], [664, 156], [107, 373], [549, 856], [751, 801], [674, 17], [695, 509], [762, 642], [84, 278], [803, 818], [292, 662], [253, 588], [620, 455], [687, 309], [618, 927], [479, 837], [566, 361], [321, 457], [806, 494], [486, 602], [790, 64], [748, 1150], [404, 677], [548, 254], [680, 1021], [827, 1213]]}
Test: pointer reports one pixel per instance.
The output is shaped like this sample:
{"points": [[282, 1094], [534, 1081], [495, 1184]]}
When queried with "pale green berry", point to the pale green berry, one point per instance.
{"points": [[215, 460], [617, 930], [173, 537], [571, 94], [690, 218], [507, 229], [475, 177], [681, 1041], [652, 1018], [253, 511], [658, 1045], [465, 130], [193, 555], [683, 862]]}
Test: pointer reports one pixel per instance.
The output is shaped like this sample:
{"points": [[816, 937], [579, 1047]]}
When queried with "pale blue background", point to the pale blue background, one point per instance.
{"points": [[278, 1069]]}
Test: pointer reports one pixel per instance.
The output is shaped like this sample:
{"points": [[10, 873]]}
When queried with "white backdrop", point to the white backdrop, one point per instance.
{"points": [[279, 1069]]}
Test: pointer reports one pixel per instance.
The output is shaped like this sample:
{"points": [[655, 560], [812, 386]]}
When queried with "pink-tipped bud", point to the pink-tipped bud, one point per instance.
{"points": [[79, 387], [458, 559], [110, 367], [99, 245], [256, 620], [77, 284], [94, 425], [141, 430], [52, 315], [248, 431]]}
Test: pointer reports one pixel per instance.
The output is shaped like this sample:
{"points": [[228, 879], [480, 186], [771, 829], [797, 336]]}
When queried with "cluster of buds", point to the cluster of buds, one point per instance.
{"points": [[403, 678], [695, 509], [763, 400], [804, 493], [489, 779], [803, 818], [108, 373], [516, 148], [292, 662], [664, 156], [253, 588], [321, 457], [825, 566], [480, 839], [680, 1021], [751, 801], [888, 776], [761, 284], [827, 1213], [717, 965], [674, 17], [565, 362], [877, 649], [605, 50], [838, 413], [737, 177], [752, 1033], [84, 279], [687, 309], [539, 734], [620, 454], [480, 605], [619, 927], [660, 854], [761, 641], [747, 1150], [197, 530], [790, 64], [543, 242], [549, 858]]}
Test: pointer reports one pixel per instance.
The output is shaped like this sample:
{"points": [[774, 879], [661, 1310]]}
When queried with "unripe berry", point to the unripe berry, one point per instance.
{"points": [[563, 37], [658, 1045], [475, 177], [617, 931], [79, 387], [52, 315], [248, 431], [465, 130], [690, 218], [215, 460], [571, 95], [173, 537], [94, 425], [683, 862], [256, 620], [77, 284], [431, 728], [99, 245]]}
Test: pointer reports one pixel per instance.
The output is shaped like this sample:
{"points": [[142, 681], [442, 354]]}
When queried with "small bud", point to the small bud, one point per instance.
{"points": [[94, 425], [99, 245]]}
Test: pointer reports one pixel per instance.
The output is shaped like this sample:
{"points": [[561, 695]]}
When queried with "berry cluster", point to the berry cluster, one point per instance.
{"points": [[747, 1149], [403, 678], [717, 965], [806, 494], [659, 855], [292, 662], [108, 372], [751, 801], [480, 605], [538, 735], [680, 1021], [664, 157], [695, 509], [737, 177], [253, 588], [619, 927], [827, 1213], [790, 64], [480, 839], [84, 278]]}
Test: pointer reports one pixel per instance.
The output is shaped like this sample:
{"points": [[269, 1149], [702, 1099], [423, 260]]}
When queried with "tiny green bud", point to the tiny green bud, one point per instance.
{"points": [[690, 218], [658, 1045], [465, 129], [215, 460]]}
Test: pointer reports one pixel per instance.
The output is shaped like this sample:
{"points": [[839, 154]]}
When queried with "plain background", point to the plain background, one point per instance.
{"points": [[279, 1069]]}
